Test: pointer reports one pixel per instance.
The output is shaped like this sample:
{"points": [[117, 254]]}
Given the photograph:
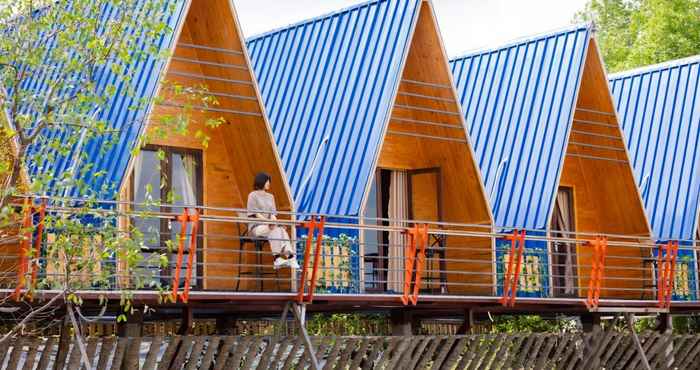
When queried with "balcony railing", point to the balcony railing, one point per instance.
{"points": [[198, 248]]}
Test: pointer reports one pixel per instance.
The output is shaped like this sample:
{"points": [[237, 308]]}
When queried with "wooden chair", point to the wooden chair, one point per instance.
{"points": [[258, 272]]}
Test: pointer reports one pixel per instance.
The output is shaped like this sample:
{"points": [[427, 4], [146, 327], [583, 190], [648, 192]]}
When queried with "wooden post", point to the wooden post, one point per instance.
{"points": [[468, 323], [133, 327], [664, 323], [63, 344], [401, 323], [590, 322], [187, 321]]}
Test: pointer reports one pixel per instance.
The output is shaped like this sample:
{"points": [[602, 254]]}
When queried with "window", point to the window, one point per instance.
{"points": [[173, 177]]}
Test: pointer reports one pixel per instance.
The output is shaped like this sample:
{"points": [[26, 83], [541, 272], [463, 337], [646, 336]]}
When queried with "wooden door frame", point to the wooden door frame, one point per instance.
{"points": [[166, 168]]}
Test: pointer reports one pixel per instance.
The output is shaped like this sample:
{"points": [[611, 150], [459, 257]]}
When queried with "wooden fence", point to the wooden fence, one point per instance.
{"points": [[599, 350]]}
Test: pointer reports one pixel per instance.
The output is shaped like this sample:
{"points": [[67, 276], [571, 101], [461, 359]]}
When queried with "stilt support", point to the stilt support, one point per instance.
{"points": [[299, 312]]}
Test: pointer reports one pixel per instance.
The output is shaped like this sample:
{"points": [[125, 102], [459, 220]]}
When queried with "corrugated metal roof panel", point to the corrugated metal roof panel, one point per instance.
{"points": [[659, 107], [518, 101], [123, 112], [328, 84]]}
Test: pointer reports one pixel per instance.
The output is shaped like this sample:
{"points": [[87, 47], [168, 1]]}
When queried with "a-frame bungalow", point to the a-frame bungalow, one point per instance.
{"points": [[205, 52], [659, 107], [554, 160], [368, 126]]}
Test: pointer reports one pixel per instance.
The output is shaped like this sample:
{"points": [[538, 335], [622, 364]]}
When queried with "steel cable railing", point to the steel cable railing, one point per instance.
{"points": [[460, 259]]}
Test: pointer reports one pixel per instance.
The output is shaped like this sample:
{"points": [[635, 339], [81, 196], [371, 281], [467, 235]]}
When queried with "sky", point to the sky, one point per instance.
{"points": [[465, 24]]}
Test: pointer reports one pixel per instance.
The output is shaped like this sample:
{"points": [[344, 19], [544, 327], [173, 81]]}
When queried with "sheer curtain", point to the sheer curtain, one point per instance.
{"points": [[185, 187], [563, 213], [398, 210]]}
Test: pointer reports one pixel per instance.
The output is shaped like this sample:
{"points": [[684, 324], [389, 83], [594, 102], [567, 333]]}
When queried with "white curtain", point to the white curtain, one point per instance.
{"points": [[186, 183], [188, 180], [564, 212], [398, 210], [138, 174]]}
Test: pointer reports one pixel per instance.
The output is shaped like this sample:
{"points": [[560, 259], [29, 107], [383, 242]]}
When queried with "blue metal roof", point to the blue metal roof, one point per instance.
{"points": [[328, 85], [124, 112], [659, 107], [518, 101]]}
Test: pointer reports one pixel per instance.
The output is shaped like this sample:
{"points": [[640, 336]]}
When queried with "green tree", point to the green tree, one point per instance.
{"points": [[70, 47], [634, 33]]}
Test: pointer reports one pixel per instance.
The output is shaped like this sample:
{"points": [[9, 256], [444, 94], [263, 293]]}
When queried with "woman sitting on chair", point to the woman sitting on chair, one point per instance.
{"points": [[261, 205]]}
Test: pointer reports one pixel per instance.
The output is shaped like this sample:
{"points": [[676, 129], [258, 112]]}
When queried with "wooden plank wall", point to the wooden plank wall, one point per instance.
{"points": [[462, 196], [605, 194], [239, 148], [607, 349]]}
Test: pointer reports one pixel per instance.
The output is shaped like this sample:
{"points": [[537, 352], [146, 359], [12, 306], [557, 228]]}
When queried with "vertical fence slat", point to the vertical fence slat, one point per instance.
{"points": [[242, 345], [131, 356], [33, 346], [691, 355], [251, 355], [266, 355], [455, 352], [376, 348], [105, 352], [427, 354], [404, 358], [45, 354], [332, 357], [74, 359], [181, 355], [289, 360], [212, 348], [152, 356], [446, 347], [16, 355], [222, 356], [166, 359], [196, 352], [350, 346], [122, 344], [357, 359]]}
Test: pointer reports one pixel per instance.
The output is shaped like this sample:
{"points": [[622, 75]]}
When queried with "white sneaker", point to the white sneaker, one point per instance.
{"points": [[293, 263], [279, 263]]}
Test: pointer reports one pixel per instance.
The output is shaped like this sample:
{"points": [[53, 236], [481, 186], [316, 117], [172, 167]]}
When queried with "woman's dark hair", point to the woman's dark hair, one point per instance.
{"points": [[260, 180]]}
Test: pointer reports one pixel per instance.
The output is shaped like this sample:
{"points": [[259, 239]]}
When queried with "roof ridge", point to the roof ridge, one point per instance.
{"points": [[655, 67], [522, 40], [312, 19]]}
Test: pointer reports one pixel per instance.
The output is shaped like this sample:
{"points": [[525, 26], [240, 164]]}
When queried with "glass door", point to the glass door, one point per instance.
{"points": [[167, 179]]}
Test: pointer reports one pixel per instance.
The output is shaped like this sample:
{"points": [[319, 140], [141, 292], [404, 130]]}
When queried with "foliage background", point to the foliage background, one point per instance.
{"points": [[635, 33]]}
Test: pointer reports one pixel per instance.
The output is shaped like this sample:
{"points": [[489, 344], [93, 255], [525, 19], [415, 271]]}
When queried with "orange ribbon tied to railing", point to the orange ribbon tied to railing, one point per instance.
{"points": [[666, 271], [185, 219], [312, 225], [24, 261], [512, 276], [415, 262], [599, 252]]}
